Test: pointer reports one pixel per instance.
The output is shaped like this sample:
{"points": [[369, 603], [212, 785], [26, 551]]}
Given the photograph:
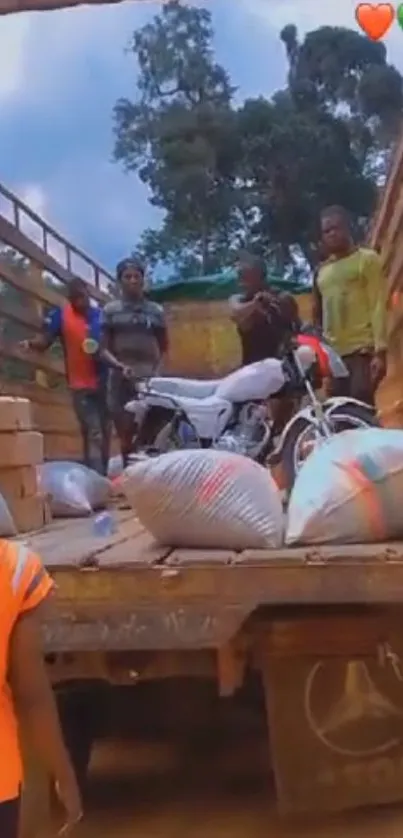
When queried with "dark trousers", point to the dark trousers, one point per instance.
{"points": [[93, 417], [359, 383], [9, 818]]}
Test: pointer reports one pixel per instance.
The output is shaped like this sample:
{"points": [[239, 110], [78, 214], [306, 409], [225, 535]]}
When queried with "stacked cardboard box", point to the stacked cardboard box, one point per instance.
{"points": [[21, 451]]}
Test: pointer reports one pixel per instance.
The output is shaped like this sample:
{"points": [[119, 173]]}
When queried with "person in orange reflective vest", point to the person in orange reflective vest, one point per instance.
{"points": [[26, 696]]}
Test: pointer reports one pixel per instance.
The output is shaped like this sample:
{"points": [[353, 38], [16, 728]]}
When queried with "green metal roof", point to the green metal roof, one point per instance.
{"points": [[218, 286]]}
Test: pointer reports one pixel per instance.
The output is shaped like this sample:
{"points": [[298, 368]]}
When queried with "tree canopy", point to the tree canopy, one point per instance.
{"points": [[253, 176]]}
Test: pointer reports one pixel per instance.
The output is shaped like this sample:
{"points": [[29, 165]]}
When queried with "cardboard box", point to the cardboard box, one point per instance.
{"points": [[15, 414], [30, 513], [24, 448], [18, 483]]}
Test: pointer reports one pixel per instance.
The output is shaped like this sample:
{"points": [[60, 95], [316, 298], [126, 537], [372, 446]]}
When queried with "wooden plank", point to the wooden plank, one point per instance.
{"points": [[18, 314], [19, 208], [325, 554], [192, 558], [18, 241], [388, 196], [14, 6], [139, 550], [71, 543], [36, 394], [22, 281], [344, 719], [238, 585], [328, 633], [33, 359]]}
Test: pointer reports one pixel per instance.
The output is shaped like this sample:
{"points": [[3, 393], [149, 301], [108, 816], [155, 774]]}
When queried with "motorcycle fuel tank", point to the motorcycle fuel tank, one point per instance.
{"points": [[256, 382]]}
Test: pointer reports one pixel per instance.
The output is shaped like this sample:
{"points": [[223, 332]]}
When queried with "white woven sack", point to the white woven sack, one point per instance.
{"points": [[349, 490], [199, 498]]}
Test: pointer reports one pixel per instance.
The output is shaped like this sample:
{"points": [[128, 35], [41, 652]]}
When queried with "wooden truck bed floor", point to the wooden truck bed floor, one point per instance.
{"points": [[323, 626], [125, 591], [356, 573]]}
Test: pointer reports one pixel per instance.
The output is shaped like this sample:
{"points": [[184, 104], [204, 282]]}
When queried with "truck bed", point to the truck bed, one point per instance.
{"points": [[128, 590]]}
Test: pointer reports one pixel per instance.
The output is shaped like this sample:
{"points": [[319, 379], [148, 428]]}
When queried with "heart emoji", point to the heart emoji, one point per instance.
{"points": [[375, 20]]}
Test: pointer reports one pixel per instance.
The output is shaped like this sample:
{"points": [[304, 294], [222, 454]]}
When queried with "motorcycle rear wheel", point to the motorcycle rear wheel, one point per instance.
{"points": [[350, 417]]}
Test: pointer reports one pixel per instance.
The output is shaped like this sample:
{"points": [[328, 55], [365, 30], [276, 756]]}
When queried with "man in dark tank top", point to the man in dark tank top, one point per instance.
{"points": [[261, 315]]}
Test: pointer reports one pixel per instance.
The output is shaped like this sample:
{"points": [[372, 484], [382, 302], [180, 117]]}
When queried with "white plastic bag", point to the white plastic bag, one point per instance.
{"points": [[207, 499], [7, 525], [75, 490], [349, 490]]}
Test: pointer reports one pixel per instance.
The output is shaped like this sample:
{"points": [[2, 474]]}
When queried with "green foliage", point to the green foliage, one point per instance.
{"points": [[254, 176], [180, 135]]}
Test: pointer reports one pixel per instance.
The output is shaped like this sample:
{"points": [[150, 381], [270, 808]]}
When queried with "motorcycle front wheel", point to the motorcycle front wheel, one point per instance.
{"points": [[303, 437]]}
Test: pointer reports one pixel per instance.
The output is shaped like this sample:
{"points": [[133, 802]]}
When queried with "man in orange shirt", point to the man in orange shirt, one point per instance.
{"points": [[26, 696], [77, 326]]}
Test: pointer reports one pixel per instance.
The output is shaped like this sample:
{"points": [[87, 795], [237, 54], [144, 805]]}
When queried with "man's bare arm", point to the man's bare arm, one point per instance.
{"points": [[36, 709], [243, 314]]}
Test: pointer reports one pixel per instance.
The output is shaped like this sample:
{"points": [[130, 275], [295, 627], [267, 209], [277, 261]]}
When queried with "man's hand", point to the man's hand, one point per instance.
{"points": [[24, 345], [69, 796], [127, 372], [378, 368], [264, 298]]}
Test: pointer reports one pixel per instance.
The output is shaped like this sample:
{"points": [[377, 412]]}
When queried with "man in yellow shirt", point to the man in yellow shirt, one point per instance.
{"points": [[350, 305]]}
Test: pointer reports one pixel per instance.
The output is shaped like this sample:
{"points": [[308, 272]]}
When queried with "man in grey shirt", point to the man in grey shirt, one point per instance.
{"points": [[133, 341]]}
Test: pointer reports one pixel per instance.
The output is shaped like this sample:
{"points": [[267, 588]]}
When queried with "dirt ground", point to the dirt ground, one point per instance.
{"points": [[208, 782]]}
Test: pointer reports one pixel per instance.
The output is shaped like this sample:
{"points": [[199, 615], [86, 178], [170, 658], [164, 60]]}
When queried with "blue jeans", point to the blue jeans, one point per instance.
{"points": [[93, 417]]}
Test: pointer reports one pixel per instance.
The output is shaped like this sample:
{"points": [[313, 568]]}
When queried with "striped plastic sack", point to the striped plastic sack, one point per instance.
{"points": [[206, 499], [349, 490]]}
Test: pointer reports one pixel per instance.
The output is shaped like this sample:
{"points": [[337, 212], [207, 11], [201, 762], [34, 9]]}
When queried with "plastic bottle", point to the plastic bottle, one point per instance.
{"points": [[104, 524]]}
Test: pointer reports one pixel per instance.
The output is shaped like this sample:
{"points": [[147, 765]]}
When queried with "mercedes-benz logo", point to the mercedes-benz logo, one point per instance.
{"points": [[359, 710]]}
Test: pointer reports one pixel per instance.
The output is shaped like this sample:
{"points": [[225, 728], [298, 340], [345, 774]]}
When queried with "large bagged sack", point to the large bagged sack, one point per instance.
{"points": [[7, 525], [75, 490], [205, 498], [349, 490]]}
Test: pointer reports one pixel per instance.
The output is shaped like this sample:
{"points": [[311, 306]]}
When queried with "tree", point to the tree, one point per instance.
{"points": [[324, 140], [344, 73], [295, 163], [254, 176], [179, 136]]}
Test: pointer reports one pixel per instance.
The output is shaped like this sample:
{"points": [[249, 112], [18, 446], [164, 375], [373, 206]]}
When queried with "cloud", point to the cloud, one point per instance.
{"points": [[13, 35], [67, 70], [61, 73]]}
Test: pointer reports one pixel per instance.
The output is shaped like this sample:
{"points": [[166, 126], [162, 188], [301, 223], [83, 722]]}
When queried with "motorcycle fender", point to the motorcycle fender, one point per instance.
{"points": [[305, 413], [330, 405]]}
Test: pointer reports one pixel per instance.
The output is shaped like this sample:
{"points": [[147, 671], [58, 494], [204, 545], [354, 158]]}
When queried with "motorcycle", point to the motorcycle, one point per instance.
{"points": [[231, 413]]}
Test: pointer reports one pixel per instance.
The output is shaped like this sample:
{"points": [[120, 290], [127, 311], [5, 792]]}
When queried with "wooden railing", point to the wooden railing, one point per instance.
{"points": [[386, 238], [36, 265]]}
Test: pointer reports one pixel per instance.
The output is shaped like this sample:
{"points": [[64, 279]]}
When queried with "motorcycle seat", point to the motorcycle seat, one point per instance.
{"points": [[184, 387]]}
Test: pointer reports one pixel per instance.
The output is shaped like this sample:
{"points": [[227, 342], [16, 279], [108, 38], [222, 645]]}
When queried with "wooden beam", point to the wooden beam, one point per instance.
{"points": [[33, 359], [8, 7], [22, 244]]}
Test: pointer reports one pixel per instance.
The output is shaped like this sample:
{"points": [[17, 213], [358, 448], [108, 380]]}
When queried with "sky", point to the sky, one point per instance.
{"points": [[61, 73]]}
